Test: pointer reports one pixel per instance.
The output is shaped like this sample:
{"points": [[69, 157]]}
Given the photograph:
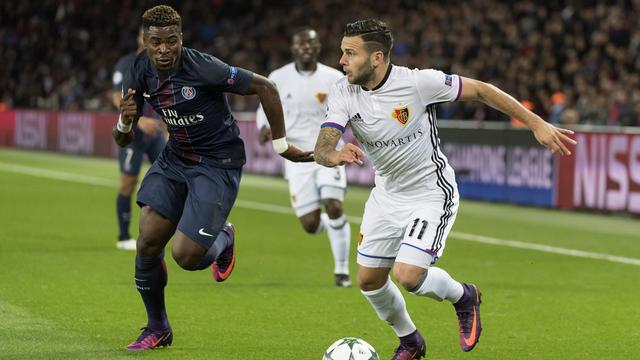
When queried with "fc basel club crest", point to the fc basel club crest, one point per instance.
{"points": [[188, 92], [321, 97], [401, 114]]}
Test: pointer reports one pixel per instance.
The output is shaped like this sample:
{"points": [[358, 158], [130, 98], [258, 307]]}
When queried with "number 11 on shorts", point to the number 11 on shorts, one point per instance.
{"points": [[423, 228]]}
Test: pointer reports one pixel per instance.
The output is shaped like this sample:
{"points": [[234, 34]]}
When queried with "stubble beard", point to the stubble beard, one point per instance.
{"points": [[364, 76]]}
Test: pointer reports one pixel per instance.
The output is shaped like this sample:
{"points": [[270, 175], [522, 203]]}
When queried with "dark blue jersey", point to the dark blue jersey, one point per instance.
{"points": [[121, 68], [193, 105]]}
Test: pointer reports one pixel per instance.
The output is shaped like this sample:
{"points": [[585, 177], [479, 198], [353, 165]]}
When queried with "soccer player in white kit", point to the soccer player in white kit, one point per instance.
{"points": [[303, 85], [414, 203]]}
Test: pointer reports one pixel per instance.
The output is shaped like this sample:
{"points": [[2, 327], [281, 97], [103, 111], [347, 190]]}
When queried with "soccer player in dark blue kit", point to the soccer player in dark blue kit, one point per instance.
{"points": [[190, 189], [149, 140]]}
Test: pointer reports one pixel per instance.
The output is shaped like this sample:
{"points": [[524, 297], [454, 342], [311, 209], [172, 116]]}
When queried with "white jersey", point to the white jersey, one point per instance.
{"points": [[395, 125], [304, 101]]}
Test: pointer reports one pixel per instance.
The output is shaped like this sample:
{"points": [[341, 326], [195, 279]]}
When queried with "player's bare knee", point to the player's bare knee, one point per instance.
{"points": [[369, 283], [310, 226], [128, 185], [186, 252], [155, 232], [333, 208], [148, 246], [310, 222], [408, 276], [187, 261]]}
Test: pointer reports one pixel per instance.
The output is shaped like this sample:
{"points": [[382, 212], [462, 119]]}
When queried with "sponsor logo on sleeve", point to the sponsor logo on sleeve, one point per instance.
{"points": [[233, 73], [448, 79]]}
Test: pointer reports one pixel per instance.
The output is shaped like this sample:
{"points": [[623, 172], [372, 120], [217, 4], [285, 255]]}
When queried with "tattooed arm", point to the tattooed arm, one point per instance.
{"points": [[326, 154]]}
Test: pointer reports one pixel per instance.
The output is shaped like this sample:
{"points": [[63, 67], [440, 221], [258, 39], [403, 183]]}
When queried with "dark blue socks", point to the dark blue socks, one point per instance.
{"points": [[123, 210], [150, 279]]}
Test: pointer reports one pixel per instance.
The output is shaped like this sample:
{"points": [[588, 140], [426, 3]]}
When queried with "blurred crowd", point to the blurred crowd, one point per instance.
{"points": [[569, 61]]}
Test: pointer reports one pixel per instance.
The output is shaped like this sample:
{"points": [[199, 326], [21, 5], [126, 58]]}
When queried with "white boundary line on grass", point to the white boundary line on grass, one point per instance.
{"points": [[471, 237], [65, 176]]}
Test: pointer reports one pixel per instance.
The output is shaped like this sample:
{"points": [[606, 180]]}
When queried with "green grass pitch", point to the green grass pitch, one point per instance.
{"points": [[66, 292]]}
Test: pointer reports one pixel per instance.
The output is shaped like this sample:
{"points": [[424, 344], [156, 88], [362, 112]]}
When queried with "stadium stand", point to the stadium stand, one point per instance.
{"points": [[575, 63]]}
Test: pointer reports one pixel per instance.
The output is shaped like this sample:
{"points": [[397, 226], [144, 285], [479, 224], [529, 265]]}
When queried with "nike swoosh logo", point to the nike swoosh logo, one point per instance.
{"points": [[146, 95], [471, 339], [202, 232], [155, 342]]}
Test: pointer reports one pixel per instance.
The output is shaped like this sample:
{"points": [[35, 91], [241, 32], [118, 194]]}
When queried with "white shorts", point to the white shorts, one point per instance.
{"points": [[409, 230], [309, 188]]}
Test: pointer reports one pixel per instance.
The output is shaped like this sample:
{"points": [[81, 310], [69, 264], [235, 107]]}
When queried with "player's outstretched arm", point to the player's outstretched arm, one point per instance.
{"points": [[270, 100], [326, 153], [551, 137], [123, 131]]}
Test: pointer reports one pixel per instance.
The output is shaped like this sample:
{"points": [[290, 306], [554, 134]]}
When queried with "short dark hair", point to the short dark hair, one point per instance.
{"points": [[376, 35], [301, 29], [161, 16]]}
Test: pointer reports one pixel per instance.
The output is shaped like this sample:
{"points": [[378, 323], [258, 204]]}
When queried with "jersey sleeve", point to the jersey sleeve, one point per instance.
{"points": [[223, 77], [337, 110], [118, 76], [133, 80], [435, 86]]}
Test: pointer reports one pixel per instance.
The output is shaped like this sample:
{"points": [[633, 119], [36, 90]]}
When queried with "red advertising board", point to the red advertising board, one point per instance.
{"points": [[603, 173], [7, 128]]}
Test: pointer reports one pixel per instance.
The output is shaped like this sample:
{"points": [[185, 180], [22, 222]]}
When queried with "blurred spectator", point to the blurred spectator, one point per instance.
{"points": [[570, 116], [558, 106], [57, 54]]}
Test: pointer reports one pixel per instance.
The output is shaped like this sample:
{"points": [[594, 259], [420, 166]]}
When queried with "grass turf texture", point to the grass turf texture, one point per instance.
{"points": [[66, 292]]}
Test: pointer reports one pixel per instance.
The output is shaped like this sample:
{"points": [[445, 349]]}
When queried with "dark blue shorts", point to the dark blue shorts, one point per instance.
{"points": [[130, 157], [196, 197]]}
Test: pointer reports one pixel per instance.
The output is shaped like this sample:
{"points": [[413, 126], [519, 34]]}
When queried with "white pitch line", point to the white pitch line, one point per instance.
{"points": [[65, 176], [58, 175], [545, 248], [470, 237]]}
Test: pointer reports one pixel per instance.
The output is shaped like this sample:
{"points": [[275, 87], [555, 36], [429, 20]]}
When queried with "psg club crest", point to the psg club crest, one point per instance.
{"points": [[188, 92], [321, 97], [401, 114]]}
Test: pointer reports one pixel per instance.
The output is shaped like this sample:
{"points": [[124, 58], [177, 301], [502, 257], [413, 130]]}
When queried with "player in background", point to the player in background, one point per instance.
{"points": [[190, 189], [411, 209], [148, 140], [304, 85]]}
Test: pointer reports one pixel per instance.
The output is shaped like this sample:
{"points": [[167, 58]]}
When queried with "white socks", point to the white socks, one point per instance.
{"points": [[390, 307], [339, 232], [439, 285]]}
